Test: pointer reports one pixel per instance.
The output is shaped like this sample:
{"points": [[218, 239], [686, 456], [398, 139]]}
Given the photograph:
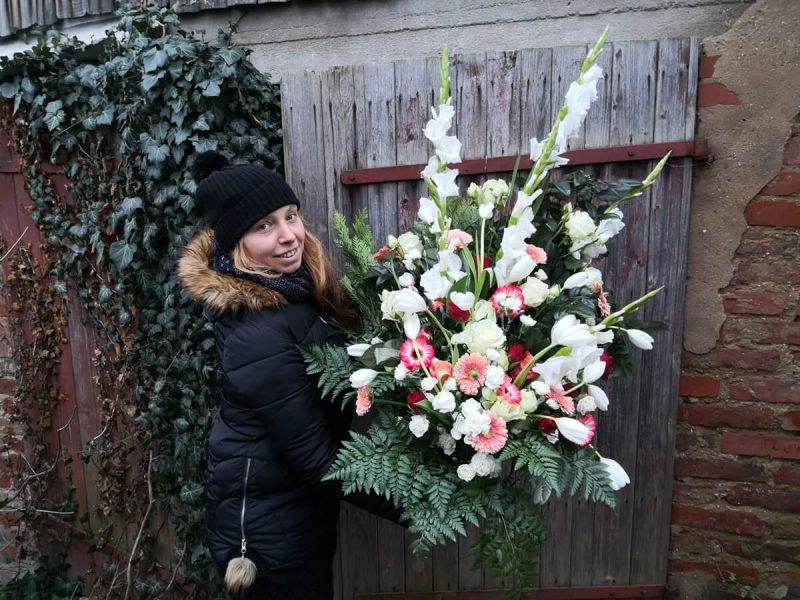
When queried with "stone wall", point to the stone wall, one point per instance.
{"points": [[736, 504]]}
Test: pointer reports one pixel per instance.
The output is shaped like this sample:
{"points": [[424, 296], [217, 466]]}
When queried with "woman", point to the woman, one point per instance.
{"points": [[268, 287]]}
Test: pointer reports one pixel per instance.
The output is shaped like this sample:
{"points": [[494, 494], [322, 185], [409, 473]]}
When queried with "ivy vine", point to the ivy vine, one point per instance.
{"points": [[123, 119]]}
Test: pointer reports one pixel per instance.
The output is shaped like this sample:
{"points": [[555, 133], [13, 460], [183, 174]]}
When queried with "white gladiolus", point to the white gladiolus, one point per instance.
{"points": [[594, 371], [411, 325], [465, 472], [444, 112], [436, 129], [521, 268], [522, 208], [464, 300], [362, 377], [535, 292], [445, 183], [448, 149], [357, 350], [431, 168], [429, 213], [619, 478], [609, 227], [572, 429], [419, 425], [640, 339], [599, 396], [536, 148], [568, 331], [444, 402]]}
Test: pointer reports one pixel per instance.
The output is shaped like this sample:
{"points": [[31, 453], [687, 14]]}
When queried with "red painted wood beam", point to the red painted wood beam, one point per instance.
{"points": [[617, 592], [505, 164]]}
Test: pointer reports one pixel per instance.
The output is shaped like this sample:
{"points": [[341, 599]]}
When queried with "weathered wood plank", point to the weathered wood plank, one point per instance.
{"points": [[381, 147], [533, 74], [502, 104], [666, 266], [303, 153]]}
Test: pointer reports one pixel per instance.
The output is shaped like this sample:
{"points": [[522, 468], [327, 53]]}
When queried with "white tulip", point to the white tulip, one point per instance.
{"points": [[619, 478], [362, 377], [600, 398], [411, 325], [594, 371], [357, 350], [640, 339], [585, 278], [572, 429], [568, 331], [486, 211], [409, 301]]}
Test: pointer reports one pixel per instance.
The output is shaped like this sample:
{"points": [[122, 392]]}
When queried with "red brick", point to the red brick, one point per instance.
{"points": [[6, 386], [733, 470], [766, 390], [760, 445], [786, 333], [791, 421], [707, 64], [723, 415], [712, 94], [781, 500], [790, 578], [760, 360], [756, 303], [740, 573], [782, 271], [731, 521], [699, 386], [787, 475], [695, 493], [768, 241], [773, 213], [788, 183]]}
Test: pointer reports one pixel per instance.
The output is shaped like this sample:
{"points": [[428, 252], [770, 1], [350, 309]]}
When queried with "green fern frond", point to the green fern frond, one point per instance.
{"points": [[333, 366]]}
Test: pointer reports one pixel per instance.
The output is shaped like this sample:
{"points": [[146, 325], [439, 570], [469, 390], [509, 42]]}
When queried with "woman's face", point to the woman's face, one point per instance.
{"points": [[276, 241]]}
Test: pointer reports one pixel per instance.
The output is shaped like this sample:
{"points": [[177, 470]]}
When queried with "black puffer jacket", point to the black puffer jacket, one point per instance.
{"points": [[273, 437]]}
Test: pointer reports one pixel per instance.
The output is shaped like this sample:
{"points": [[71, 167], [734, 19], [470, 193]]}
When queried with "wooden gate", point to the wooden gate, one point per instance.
{"points": [[371, 116]]}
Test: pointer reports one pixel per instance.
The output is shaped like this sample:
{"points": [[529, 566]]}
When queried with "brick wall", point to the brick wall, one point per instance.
{"points": [[736, 502]]}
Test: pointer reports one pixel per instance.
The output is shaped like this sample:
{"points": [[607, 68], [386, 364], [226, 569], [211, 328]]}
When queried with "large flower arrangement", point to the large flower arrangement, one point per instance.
{"points": [[486, 333]]}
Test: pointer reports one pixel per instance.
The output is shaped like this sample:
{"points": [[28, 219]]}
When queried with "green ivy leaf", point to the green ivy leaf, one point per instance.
{"points": [[121, 253], [154, 59], [130, 205], [9, 89], [210, 88]]}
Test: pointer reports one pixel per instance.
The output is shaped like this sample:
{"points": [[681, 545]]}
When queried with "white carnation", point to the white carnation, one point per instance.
{"points": [[419, 425], [465, 472]]}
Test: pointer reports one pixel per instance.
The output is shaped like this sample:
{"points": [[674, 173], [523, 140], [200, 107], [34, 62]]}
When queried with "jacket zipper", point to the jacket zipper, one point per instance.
{"points": [[244, 505]]}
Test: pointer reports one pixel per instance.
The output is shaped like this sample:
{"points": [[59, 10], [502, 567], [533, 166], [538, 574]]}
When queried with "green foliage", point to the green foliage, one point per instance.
{"points": [[329, 362], [358, 248], [539, 457], [43, 583], [124, 118]]}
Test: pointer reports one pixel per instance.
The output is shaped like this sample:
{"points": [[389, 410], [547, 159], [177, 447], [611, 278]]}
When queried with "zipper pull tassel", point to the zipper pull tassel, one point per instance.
{"points": [[244, 546]]}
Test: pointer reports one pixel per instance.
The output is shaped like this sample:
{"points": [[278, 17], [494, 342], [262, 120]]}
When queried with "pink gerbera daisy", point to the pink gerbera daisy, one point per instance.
{"points": [[470, 372], [509, 392], [493, 440], [538, 255], [591, 425], [412, 350], [559, 400], [363, 400], [508, 300]]}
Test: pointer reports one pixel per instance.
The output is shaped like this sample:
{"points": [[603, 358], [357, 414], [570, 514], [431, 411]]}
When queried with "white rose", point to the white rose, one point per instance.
{"points": [[580, 225], [535, 292], [483, 310], [444, 402], [465, 472], [483, 335], [406, 280], [530, 401], [419, 425], [400, 372]]}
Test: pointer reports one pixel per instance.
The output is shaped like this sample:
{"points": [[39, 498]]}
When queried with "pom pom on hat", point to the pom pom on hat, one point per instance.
{"points": [[206, 163]]}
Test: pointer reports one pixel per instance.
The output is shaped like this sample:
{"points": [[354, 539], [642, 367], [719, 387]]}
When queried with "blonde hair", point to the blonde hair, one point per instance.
{"points": [[328, 292]]}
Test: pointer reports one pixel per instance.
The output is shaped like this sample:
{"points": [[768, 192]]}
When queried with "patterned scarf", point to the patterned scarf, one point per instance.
{"points": [[295, 287]]}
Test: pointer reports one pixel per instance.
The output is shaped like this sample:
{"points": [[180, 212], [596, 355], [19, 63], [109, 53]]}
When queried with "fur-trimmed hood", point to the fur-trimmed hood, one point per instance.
{"points": [[220, 292]]}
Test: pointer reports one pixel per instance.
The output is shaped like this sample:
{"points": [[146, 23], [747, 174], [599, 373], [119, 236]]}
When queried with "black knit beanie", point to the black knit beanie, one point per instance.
{"points": [[233, 198]]}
